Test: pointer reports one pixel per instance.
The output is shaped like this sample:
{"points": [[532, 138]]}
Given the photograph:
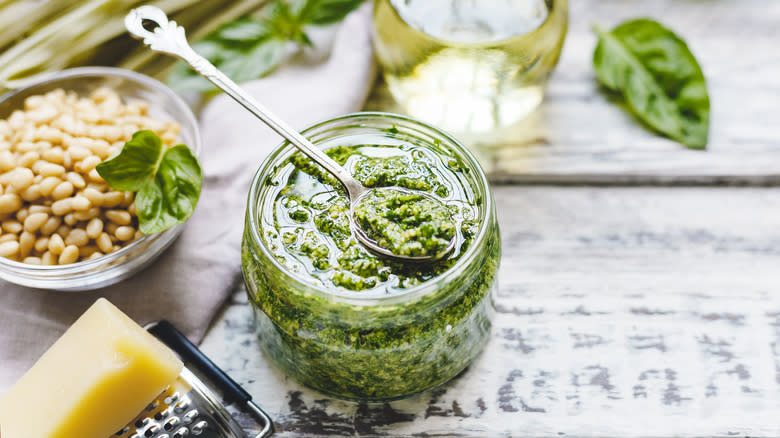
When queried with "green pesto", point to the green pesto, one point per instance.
{"points": [[372, 352], [312, 228], [405, 223]]}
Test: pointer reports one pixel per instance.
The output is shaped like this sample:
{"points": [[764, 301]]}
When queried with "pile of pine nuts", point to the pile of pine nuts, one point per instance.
{"points": [[54, 207]]}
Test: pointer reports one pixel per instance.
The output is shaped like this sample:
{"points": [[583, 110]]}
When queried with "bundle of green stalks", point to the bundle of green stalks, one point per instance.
{"points": [[43, 36]]}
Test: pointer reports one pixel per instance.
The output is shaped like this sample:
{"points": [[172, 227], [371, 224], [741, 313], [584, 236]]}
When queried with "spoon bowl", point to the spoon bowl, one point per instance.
{"points": [[167, 37]]}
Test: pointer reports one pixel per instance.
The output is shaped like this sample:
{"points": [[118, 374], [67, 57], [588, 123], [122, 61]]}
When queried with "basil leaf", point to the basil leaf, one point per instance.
{"points": [[135, 165], [322, 12], [168, 182], [659, 78], [171, 197], [249, 48], [245, 30], [255, 63]]}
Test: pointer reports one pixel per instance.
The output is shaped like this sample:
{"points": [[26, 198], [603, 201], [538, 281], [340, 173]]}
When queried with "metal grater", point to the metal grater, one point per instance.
{"points": [[189, 408]]}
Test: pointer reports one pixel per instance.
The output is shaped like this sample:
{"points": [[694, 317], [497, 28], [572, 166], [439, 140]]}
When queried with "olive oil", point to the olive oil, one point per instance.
{"points": [[469, 66]]}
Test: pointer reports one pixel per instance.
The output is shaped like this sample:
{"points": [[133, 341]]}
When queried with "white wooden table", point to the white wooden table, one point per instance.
{"points": [[639, 290]]}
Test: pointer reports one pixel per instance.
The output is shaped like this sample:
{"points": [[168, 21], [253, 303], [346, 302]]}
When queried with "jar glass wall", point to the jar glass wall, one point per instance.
{"points": [[371, 344]]}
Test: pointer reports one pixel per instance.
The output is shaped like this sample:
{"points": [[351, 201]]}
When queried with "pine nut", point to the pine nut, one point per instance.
{"points": [[61, 207], [76, 179], [47, 185], [80, 203], [63, 230], [63, 190], [34, 221], [48, 258], [119, 217], [69, 219], [77, 237], [21, 178], [94, 196], [32, 260], [21, 215], [94, 228], [51, 225], [112, 199], [79, 153], [69, 255], [42, 244], [7, 161], [104, 243], [8, 238], [86, 214], [26, 242], [124, 233], [28, 159], [9, 203], [31, 193], [8, 249], [12, 226], [39, 209], [53, 155], [51, 169], [56, 244]]}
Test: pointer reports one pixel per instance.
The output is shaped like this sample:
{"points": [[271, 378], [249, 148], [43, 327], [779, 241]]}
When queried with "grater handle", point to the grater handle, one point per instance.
{"points": [[173, 338]]}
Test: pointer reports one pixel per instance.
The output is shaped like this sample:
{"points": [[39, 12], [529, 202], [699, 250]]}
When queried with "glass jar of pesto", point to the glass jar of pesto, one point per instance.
{"points": [[338, 318]]}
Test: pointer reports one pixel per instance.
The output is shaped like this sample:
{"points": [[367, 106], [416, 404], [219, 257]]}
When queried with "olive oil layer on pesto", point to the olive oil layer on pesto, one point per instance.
{"points": [[311, 231]]}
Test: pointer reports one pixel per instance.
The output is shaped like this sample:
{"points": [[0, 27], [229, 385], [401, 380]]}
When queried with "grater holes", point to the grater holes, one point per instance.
{"points": [[181, 406], [172, 398], [123, 431], [135, 435], [141, 422], [162, 414], [165, 435], [198, 428], [190, 416], [171, 424], [181, 433], [152, 406], [152, 431]]}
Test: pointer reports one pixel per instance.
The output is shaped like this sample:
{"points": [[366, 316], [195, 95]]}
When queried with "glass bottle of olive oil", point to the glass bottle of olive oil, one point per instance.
{"points": [[469, 66]]}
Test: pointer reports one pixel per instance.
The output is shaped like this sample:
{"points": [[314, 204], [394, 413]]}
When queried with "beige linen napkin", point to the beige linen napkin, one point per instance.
{"points": [[195, 276]]}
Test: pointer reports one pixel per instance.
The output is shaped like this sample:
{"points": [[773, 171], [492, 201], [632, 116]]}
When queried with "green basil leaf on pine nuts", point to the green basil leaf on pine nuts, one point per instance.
{"points": [[167, 182], [658, 76], [135, 165]]}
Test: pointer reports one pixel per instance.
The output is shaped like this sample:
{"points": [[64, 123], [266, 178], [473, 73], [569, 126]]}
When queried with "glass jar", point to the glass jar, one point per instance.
{"points": [[470, 67], [371, 345]]}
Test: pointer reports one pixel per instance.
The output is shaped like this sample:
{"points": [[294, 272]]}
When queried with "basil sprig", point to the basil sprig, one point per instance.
{"points": [[658, 77], [167, 181], [250, 48]]}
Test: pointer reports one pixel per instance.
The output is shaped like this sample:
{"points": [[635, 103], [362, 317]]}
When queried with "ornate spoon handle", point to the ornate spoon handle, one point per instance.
{"points": [[168, 37]]}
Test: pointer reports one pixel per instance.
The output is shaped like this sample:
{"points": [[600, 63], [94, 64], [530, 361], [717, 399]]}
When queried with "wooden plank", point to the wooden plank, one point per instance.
{"points": [[629, 311], [579, 135]]}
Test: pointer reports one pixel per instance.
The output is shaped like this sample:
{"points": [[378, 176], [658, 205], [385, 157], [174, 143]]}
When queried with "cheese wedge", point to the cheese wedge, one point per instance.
{"points": [[94, 380]]}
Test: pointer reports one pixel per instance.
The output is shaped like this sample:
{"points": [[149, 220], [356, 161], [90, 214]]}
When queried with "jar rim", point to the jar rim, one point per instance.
{"points": [[267, 167]]}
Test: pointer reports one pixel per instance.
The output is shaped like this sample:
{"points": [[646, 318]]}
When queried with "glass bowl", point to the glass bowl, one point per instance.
{"points": [[377, 344], [164, 104]]}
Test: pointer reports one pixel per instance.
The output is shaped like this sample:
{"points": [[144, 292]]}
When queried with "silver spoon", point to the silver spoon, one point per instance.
{"points": [[168, 37]]}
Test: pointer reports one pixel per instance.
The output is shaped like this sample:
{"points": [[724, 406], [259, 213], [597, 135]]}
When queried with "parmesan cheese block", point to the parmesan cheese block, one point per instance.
{"points": [[94, 380]]}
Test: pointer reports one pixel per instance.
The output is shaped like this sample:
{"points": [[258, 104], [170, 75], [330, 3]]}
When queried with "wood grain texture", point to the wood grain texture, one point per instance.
{"points": [[628, 311], [581, 134]]}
